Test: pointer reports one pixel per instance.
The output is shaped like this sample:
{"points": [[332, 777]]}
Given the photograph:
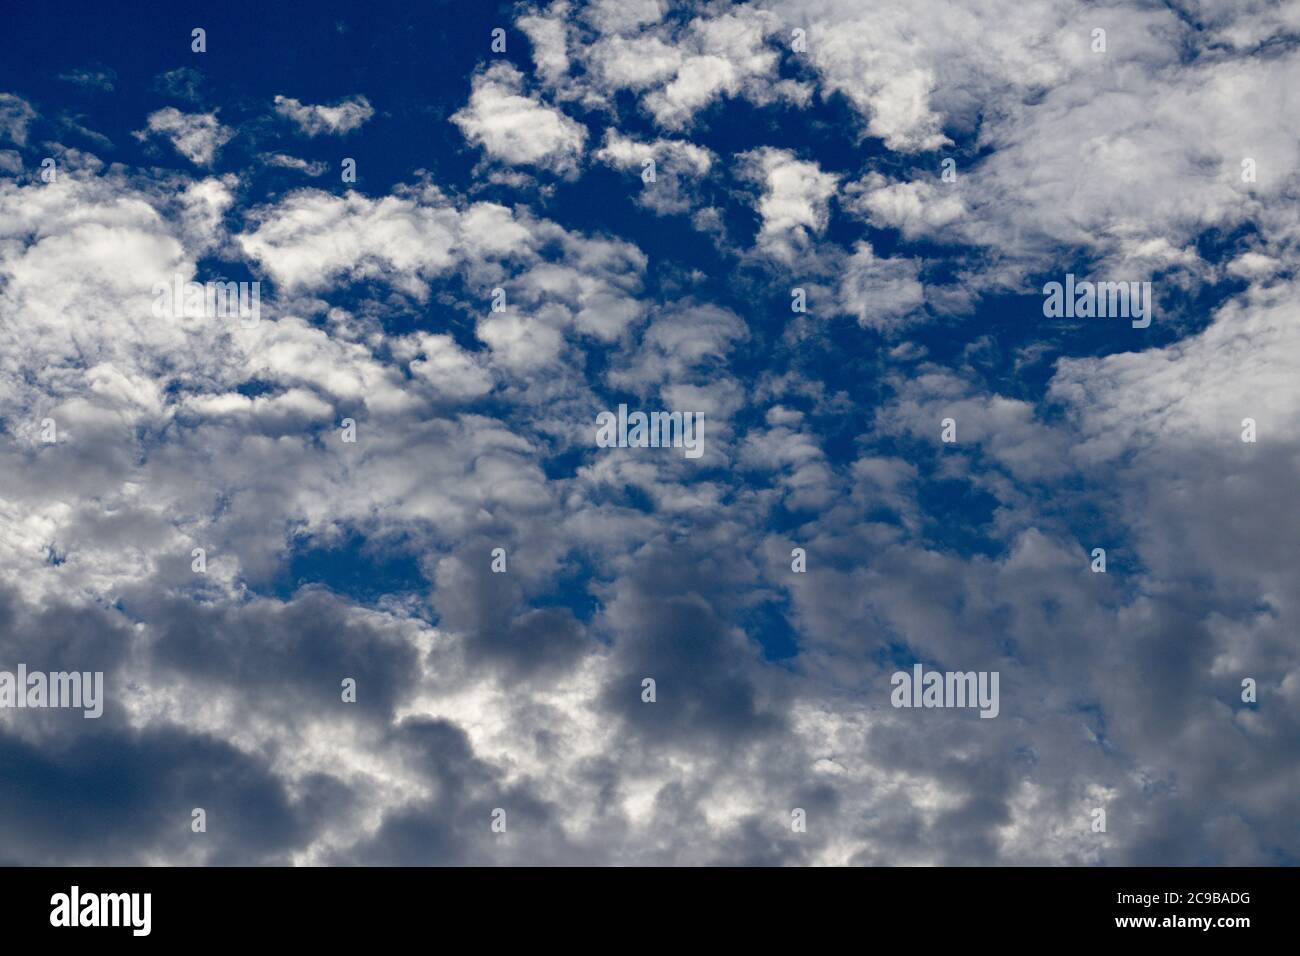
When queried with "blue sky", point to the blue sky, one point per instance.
{"points": [[796, 145]]}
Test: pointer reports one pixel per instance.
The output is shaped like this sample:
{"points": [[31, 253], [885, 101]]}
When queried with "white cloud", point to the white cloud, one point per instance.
{"points": [[196, 136], [794, 204], [619, 16], [919, 207], [312, 239], [593, 286], [714, 57], [341, 118], [881, 293], [1246, 364], [523, 344], [313, 168], [447, 368], [549, 38], [517, 129], [635, 63]]}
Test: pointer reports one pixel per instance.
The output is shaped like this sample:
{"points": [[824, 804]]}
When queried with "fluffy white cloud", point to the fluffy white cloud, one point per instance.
{"points": [[313, 238], [794, 204], [549, 38], [518, 129], [620, 16], [919, 207], [447, 368], [684, 71]]}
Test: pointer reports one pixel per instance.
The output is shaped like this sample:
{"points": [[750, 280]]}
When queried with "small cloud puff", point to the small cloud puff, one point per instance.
{"points": [[196, 136], [517, 129], [337, 120]]}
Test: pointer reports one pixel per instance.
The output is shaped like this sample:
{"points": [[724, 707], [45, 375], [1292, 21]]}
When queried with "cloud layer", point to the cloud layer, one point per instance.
{"points": [[391, 477]]}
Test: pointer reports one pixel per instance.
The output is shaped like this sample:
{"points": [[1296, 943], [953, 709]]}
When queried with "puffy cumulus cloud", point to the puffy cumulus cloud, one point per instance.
{"points": [[623, 16], [548, 35], [517, 129], [919, 74], [1068, 629], [337, 120], [680, 70], [196, 136], [796, 458], [1171, 425], [554, 283], [918, 207], [635, 63], [312, 239], [168, 735], [731, 50], [794, 203], [525, 344], [444, 366], [676, 67], [95, 358], [1146, 436], [1227, 572], [925, 74], [889, 80], [127, 380], [1006, 430]]}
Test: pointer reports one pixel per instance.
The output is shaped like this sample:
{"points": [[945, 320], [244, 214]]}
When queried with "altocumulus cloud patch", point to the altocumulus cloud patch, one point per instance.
{"points": [[642, 433]]}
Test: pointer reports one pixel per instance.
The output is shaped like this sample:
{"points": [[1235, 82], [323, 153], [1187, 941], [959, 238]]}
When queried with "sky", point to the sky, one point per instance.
{"points": [[365, 583]]}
